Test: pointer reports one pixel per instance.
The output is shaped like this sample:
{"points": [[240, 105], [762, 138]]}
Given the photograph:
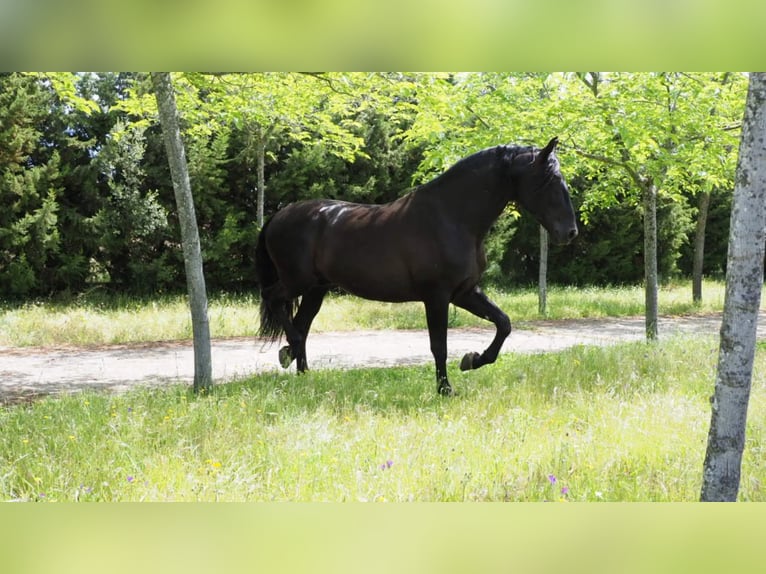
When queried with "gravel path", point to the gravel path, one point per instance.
{"points": [[29, 372]]}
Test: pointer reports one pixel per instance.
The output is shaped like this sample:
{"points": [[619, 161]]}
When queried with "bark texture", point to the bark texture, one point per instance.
{"points": [[699, 247], [195, 278], [650, 259], [261, 158], [744, 281], [542, 279]]}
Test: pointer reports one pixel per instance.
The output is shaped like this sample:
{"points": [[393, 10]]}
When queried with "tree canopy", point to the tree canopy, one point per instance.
{"points": [[89, 202]]}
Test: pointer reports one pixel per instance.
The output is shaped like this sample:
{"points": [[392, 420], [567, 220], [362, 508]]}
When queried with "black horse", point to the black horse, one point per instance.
{"points": [[425, 246]]}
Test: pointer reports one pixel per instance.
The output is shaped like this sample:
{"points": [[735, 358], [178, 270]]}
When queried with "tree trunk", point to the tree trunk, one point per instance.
{"points": [[650, 258], [699, 247], [542, 280], [744, 281], [260, 151], [195, 278]]}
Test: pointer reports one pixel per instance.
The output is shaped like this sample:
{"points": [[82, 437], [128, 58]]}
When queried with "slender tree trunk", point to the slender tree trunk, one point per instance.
{"points": [[744, 281], [650, 259], [542, 280], [195, 278], [699, 247], [260, 151]]}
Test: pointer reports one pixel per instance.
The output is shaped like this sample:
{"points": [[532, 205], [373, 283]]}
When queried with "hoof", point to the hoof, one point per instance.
{"points": [[285, 357], [469, 361], [445, 390]]}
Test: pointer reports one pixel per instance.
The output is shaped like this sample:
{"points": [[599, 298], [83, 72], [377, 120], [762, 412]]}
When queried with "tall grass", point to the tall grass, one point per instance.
{"points": [[623, 423], [96, 320]]}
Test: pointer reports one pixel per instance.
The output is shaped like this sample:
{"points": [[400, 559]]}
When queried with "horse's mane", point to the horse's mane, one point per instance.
{"points": [[477, 160]]}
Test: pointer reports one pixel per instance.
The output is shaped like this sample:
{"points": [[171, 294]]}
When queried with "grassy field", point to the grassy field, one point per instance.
{"points": [[624, 423], [96, 320]]}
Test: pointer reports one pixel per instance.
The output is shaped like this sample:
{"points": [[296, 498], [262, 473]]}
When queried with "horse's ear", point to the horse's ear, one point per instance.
{"points": [[542, 157], [549, 149]]}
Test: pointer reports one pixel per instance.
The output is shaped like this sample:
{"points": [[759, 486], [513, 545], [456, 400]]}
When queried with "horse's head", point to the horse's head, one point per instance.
{"points": [[541, 190]]}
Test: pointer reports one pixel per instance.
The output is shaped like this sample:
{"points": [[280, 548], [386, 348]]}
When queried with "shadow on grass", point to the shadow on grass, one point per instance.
{"points": [[380, 390]]}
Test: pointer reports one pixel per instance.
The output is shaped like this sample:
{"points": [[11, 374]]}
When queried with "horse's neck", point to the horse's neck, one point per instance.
{"points": [[472, 199]]}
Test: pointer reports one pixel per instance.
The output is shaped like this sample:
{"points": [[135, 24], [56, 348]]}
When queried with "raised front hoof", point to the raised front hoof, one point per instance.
{"points": [[445, 390], [470, 361], [285, 356]]}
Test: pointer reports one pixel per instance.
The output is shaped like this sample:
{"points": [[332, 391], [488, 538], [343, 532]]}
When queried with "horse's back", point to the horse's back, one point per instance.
{"points": [[365, 249]]}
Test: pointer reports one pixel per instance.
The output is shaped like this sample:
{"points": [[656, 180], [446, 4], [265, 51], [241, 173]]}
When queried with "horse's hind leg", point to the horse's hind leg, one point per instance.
{"points": [[300, 325], [281, 311], [476, 302]]}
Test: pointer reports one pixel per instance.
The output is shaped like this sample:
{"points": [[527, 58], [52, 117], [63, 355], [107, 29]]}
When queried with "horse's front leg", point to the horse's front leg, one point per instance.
{"points": [[437, 315], [476, 302]]}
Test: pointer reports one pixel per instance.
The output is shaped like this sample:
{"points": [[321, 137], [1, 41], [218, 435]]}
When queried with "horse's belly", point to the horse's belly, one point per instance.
{"points": [[392, 275], [377, 284]]}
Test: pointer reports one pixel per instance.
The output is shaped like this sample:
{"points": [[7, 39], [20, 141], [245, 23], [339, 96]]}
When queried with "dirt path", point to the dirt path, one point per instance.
{"points": [[30, 372]]}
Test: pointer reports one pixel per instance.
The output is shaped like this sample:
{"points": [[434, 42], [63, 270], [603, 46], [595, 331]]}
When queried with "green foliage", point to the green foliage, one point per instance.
{"points": [[29, 184], [609, 249], [675, 129], [620, 133], [131, 220], [313, 172], [89, 199]]}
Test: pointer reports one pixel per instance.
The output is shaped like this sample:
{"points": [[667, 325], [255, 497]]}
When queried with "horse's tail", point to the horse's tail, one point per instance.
{"points": [[267, 278]]}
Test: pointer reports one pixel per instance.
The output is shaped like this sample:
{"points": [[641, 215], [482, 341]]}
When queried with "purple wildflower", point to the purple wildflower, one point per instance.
{"points": [[130, 478], [565, 490], [552, 478], [388, 464]]}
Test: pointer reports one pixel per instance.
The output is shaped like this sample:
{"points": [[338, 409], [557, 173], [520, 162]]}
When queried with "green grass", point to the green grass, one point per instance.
{"points": [[96, 321], [623, 423], [121, 320]]}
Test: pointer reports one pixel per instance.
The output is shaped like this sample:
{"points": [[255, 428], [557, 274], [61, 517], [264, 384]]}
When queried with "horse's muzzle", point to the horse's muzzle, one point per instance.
{"points": [[563, 237]]}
